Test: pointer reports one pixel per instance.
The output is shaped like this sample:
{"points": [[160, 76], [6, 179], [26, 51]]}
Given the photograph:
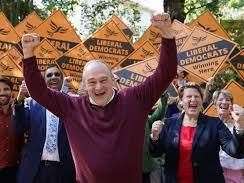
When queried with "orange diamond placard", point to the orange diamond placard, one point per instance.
{"points": [[137, 73], [209, 23], [146, 50], [9, 69], [46, 55], [237, 63], [15, 55], [123, 26], [73, 62], [152, 34], [30, 23], [204, 53], [8, 35], [59, 32], [182, 33], [109, 44]]}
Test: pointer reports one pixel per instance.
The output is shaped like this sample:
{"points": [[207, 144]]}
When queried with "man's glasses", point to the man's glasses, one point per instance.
{"points": [[56, 74]]}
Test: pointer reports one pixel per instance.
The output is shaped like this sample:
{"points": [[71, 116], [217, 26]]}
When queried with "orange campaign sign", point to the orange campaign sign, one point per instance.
{"points": [[237, 91], [182, 33], [192, 78], [238, 94], [209, 23], [237, 63], [123, 26], [46, 54], [8, 35], [73, 62], [211, 110], [110, 44], [9, 69], [143, 52], [227, 65], [59, 32], [137, 73], [15, 55], [204, 53], [31, 22], [152, 34]]}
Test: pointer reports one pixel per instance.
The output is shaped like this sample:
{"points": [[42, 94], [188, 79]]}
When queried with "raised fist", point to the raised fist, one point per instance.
{"points": [[163, 23], [238, 115], [67, 84], [156, 129], [29, 43], [23, 92]]}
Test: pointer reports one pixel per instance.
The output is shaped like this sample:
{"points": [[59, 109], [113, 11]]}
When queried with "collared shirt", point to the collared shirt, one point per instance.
{"points": [[50, 149], [94, 103], [9, 142]]}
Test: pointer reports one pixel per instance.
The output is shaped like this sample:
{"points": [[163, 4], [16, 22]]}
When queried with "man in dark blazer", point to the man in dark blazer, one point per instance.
{"points": [[46, 157]]}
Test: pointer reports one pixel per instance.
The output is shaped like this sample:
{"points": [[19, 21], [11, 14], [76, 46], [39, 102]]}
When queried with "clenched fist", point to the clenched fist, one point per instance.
{"points": [[163, 23], [156, 129], [238, 115], [23, 92], [29, 43]]}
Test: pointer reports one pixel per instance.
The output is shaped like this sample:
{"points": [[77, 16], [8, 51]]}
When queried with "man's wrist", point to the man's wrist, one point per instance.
{"points": [[168, 34], [28, 53]]}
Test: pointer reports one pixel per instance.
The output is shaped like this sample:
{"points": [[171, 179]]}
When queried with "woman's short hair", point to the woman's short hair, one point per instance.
{"points": [[190, 85], [225, 93]]}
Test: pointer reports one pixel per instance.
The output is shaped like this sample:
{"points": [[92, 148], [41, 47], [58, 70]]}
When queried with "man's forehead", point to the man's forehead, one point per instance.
{"points": [[96, 68], [4, 85], [52, 69]]}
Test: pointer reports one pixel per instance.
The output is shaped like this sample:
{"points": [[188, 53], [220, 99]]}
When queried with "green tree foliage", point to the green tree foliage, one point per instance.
{"points": [[222, 78], [182, 9], [235, 29], [67, 6], [95, 14], [17, 10], [194, 8], [190, 9]]}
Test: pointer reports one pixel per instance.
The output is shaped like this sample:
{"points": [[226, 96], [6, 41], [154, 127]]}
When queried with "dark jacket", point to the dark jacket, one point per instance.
{"points": [[149, 163], [211, 134], [31, 118]]}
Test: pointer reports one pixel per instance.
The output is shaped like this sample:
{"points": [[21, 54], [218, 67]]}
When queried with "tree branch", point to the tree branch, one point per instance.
{"points": [[203, 5]]}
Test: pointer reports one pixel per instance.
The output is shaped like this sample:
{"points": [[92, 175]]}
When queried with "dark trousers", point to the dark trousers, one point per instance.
{"points": [[8, 175], [51, 172], [146, 178]]}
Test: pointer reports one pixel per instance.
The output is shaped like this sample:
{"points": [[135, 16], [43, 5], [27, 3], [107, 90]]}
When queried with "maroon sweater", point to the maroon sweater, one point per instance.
{"points": [[106, 142]]}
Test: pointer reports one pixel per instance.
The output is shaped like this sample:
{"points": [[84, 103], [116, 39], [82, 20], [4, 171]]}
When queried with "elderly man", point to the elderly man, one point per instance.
{"points": [[105, 127]]}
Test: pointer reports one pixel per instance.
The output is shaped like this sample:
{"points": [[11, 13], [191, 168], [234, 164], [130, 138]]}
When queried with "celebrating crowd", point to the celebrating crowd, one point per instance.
{"points": [[106, 135]]}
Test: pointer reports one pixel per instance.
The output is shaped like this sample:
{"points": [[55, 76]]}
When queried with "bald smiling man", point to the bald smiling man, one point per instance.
{"points": [[106, 127]]}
